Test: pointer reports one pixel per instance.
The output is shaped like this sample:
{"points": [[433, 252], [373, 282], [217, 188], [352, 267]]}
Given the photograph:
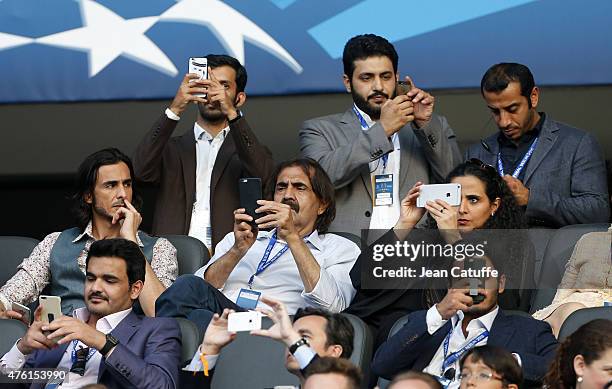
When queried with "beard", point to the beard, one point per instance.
{"points": [[372, 110], [213, 115]]}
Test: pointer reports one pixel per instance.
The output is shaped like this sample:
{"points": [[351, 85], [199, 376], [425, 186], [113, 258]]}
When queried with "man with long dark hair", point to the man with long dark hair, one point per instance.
{"points": [[103, 202]]}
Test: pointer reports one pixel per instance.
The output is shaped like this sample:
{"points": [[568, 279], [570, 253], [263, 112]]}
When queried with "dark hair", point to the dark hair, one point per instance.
{"points": [[497, 78], [590, 340], [217, 60], [508, 215], [86, 178], [343, 367], [321, 186], [365, 46], [416, 375], [124, 249], [499, 360], [338, 329]]}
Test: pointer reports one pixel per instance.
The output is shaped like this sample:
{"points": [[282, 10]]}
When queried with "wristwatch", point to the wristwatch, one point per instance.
{"points": [[237, 117], [111, 342], [293, 348]]}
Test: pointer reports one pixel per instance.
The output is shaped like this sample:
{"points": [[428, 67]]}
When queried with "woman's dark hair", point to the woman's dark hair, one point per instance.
{"points": [[591, 341], [499, 360], [87, 176], [321, 186], [497, 78], [365, 46], [509, 214], [338, 329], [124, 249], [217, 60]]}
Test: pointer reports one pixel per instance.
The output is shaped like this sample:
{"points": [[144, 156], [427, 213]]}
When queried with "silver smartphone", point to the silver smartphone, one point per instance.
{"points": [[451, 193], [199, 66], [51, 308], [24, 311]]}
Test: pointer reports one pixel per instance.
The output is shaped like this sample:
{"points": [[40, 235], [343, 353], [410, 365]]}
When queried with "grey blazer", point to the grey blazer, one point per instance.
{"points": [[344, 150], [566, 176]]}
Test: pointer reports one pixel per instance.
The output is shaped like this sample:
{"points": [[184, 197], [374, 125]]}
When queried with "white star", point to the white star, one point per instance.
{"points": [[229, 26], [106, 36], [8, 40]]}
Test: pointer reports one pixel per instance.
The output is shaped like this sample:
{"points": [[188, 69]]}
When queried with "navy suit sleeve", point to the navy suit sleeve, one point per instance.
{"points": [[159, 366], [401, 351], [536, 363]]}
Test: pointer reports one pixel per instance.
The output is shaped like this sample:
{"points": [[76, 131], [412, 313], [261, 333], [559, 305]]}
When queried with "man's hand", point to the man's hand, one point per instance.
{"points": [[219, 94], [217, 336], [282, 329], [190, 86], [520, 191], [396, 113], [130, 220], [244, 234], [279, 215], [34, 339], [10, 314], [423, 104], [445, 216], [68, 328], [456, 299]]}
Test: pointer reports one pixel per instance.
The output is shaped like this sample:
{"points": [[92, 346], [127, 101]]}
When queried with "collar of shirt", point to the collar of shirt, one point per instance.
{"points": [[365, 116], [314, 238], [527, 138], [202, 134], [107, 323], [88, 232], [484, 321]]}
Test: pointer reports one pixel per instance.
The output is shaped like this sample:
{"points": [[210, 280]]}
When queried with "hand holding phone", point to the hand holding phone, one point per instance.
{"points": [[250, 191], [199, 66], [451, 193], [51, 307], [403, 87], [244, 321], [26, 314]]}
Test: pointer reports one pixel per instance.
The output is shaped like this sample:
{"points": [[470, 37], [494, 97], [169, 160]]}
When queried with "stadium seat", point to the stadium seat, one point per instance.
{"points": [[363, 344], [13, 249], [191, 338], [581, 317], [11, 330], [558, 252], [191, 253]]}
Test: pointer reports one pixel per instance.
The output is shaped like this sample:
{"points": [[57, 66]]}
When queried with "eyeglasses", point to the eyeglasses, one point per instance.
{"points": [[482, 165], [481, 376]]}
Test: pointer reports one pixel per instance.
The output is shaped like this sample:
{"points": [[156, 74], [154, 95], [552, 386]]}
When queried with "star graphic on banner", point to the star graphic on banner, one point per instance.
{"points": [[230, 27], [8, 41], [106, 36]]}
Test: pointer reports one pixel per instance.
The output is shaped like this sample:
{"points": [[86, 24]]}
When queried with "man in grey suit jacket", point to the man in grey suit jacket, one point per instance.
{"points": [[555, 171], [386, 139]]}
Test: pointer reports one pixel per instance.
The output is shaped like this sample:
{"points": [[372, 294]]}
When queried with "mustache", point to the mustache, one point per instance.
{"points": [[376, 94], [98, 295], [120, 203], [293, 204]]}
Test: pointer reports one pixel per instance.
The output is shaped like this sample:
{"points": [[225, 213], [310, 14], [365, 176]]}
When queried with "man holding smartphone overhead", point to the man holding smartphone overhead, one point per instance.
{"points": [[388, 139], [197, 173]]}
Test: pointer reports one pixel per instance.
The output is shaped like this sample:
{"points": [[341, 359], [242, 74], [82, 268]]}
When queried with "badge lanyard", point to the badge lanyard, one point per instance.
{"points": [[449, 360], [75, 342], [364, 126], [519, 168], [265, 260]]}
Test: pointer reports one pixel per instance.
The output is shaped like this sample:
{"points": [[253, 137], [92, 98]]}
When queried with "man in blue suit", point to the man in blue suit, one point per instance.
{"points": [[105, 342], [434, 340]]}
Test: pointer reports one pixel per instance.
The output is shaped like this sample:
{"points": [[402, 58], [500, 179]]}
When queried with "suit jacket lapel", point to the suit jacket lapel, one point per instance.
{"points": [[432, 347], [351, 128], [188, 161], [227, 150], [501, 330], [547, 138], [48, 359], [123, 333], [406, 151]]}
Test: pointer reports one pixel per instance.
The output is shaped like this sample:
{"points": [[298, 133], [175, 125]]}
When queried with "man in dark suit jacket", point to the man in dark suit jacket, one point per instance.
{"points": [[198, 172], [434, 340], [556, 172], [105, 342]]}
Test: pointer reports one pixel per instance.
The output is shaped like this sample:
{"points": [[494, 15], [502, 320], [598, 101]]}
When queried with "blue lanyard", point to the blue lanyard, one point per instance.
{"points": [[364, 126], [265, 261], [453, 357], [75, 342], [521, 165]]}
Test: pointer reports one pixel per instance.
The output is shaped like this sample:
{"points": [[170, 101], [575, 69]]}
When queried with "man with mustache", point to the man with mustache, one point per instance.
{"points": [[283, 253], [555, 171], [103, 197], [106, 341], [382, 144]]}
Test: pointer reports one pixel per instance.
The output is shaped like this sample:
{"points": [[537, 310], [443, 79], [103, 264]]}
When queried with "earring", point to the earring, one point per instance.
{"points": [[492, 214], [579, 379]]}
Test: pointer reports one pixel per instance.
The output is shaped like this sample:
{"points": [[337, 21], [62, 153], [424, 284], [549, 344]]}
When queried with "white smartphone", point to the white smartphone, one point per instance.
{"points": [[244, 321], [25, 311], [199, 65], [451, 193], [51, 308]]}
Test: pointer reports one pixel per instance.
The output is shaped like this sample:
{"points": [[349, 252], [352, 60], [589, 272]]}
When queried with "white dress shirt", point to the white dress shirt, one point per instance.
{"points": [[14, 359], [207, 149], [281, 281], [385, 216], [474, 328]]}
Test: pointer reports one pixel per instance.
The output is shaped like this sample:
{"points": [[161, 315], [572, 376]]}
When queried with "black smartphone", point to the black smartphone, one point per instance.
{"points": [[476, 264], [250, 192]]}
